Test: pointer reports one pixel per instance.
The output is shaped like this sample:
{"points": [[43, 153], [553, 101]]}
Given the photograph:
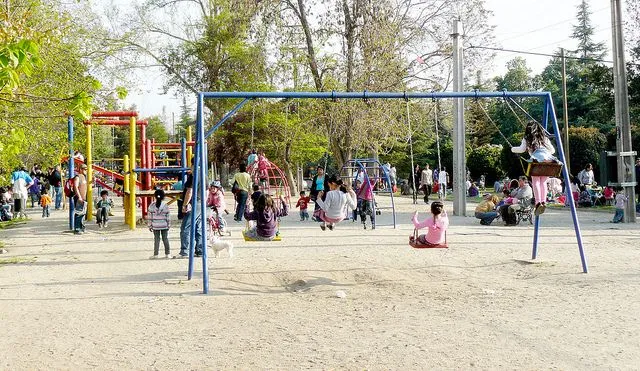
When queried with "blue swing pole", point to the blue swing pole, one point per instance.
{"points": [[71, 170], [203, 192], [567, 182], [194, 196]]}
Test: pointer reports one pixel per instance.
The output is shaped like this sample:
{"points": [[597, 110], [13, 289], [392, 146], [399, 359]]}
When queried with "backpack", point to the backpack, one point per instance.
{"points": [[68, 188]]}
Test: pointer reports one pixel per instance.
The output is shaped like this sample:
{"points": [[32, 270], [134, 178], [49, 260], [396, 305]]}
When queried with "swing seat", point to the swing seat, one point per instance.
{"points": [[543, 168], [253, 239], [413, 242]]}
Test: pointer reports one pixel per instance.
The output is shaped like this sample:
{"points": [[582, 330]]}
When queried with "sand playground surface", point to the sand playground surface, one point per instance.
{"points": [[343, 299]]}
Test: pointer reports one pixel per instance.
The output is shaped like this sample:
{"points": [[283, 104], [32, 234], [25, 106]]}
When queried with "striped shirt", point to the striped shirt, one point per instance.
{"points": [[159, 217]]}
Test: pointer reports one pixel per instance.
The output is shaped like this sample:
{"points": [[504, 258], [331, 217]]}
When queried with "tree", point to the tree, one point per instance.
{"points": [[517, 78], [583, 32]]}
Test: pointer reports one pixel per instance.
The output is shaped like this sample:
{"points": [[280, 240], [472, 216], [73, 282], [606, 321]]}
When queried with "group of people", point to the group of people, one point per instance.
{"points": [[44, 189], [429, 181]]}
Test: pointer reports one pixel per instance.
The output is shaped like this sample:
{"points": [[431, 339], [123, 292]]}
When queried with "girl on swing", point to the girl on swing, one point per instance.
{"points": [[333, 207], [266, 215], [539, 147], [436, 225]]}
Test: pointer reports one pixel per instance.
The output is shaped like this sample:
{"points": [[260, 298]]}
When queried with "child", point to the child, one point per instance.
{"points": [[159, 223], [621, 200], [103, 207], [609, 195], [365, 203], [263, 166], [302, 203], [255, 196], [216, 201], [45, 201], [332, 208], [266, 216], [436, 225], [539, 147]]}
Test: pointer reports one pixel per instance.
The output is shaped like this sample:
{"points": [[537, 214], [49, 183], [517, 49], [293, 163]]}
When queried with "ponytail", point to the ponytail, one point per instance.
{"points": [[159, 196]]}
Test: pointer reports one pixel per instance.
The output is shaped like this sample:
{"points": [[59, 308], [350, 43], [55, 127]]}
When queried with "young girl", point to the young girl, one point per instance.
{"points": [[266, 215], [621, 200], [216, 200], [159, 224], [539, 147], [436, 225], [365, 203], [333, 207]]}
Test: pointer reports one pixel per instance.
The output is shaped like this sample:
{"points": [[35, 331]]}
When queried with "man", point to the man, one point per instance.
{"points": [[522, 196], [55, 179], [188, 211], [80, 200], [426, 182], [21, 182], [586, 175], [318, 183], [443, 180]]}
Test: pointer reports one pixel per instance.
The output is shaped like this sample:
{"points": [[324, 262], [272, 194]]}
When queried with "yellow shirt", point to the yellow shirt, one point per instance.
{"points": [[485, 206], [244, 181]]}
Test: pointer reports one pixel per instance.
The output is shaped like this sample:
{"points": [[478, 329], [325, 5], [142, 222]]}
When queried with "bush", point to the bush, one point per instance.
{"points": [[585, 145], [486, 159]]}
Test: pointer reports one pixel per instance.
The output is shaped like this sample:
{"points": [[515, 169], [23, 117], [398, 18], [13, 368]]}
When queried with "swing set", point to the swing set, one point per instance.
{"points": [[201, 172]]}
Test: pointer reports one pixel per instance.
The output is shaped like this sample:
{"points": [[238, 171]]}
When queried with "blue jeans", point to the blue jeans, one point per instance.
{"points": [[58, 191], [617, 218], [185, 233], [242, 204], [486, 218]]}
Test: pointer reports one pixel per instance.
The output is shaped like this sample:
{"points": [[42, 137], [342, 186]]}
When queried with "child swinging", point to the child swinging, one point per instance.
{"points": [[539, 147]]}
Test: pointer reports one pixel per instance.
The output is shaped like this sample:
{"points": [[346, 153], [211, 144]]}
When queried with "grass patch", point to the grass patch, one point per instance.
{"points": [[15, 260], [12, 223]]}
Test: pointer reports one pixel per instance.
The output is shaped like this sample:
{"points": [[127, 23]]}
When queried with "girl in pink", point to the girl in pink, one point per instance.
{"points": [[436, 225], [216, 200], [263, 166], [365, 202], [539, 147]]}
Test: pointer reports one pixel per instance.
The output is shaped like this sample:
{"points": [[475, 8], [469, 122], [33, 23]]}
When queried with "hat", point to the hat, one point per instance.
{"points": [[215, 183], [83, 166]]}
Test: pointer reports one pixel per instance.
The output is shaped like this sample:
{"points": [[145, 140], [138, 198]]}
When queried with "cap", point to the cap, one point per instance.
{"points": [[83, 166], [215, 183]]}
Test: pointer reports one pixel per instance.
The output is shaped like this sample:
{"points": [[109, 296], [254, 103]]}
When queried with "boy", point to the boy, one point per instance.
{"points": [[103, 206], [45, 201], [302, 203], [621, 200]]}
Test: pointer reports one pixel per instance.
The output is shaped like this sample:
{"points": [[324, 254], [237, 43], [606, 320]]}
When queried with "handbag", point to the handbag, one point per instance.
{"points": [[235, 188]]}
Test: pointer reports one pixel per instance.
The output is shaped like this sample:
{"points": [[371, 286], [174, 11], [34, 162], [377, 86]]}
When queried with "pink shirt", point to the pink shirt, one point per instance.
{"points": [[435, 229], [216, 199]]}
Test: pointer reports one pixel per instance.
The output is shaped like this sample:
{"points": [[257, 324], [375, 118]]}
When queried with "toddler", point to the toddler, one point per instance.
{"points": [[302, 203], [621, 200], [216, 201], [159, 223], [103, 207], [45, 201]]}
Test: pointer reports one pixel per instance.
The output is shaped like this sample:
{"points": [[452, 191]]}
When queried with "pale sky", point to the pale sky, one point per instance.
{"points": [[540, 26]]}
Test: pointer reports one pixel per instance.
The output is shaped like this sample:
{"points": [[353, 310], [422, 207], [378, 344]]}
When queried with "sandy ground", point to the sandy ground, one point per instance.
{"points": [[95, 301]]}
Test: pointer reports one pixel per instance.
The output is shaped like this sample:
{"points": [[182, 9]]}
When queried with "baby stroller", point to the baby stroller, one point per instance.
{"points": [[216, 225], [5, 212]]}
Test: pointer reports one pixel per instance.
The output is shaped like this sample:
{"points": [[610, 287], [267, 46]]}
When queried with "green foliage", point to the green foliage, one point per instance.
{"points": [[17, 58], [585, 145], [583, 32], [486, 159], [156, 129]]}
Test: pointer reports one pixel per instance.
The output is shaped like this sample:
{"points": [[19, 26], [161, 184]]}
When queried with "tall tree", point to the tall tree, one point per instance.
{"points": [[583, 32]]}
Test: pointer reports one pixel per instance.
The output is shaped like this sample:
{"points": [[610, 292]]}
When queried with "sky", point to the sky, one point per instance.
{"points": [[540, 26]]}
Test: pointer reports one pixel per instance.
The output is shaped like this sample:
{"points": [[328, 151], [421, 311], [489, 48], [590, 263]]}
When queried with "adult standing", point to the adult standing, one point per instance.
{"points": [[187, 213], [318, 183], [392, 176], [21, 182], [426, 182], [586, 176], [443, 180], [638, 183], [80, 199], [55, 179], [243, 179]]}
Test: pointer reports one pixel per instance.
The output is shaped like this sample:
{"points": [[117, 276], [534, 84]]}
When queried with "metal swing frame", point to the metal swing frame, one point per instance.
{"points": [[201, 163]]}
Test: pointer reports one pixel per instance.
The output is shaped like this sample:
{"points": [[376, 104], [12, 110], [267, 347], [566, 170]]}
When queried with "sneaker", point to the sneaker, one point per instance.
{"points": [[105, 224], [322, 226], [540, 208], [168, 256], [99, 225], [198, 255], [153, 257], [364, 225], [179, 256], [330, 226]]}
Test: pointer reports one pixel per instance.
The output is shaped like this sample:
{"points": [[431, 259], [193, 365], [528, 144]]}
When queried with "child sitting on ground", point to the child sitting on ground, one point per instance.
{"points": [[621, 200], [159, 223], [216, 200], [436, 225], [266, 215], [45, 201], [103, 207], [302, 203]]}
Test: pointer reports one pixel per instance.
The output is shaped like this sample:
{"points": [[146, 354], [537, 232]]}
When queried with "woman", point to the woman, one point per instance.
{"points": [[243, 181]]}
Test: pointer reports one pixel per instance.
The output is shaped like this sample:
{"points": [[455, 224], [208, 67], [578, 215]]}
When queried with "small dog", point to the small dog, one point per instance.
{"points": [[219, 245]]}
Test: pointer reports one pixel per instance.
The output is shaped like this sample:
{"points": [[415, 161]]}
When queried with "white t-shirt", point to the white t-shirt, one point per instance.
{"points": [[20, 189], [336, 202], [442, 177]]}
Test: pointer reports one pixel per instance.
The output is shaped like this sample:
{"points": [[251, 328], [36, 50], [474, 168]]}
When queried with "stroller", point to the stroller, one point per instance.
{"points": [[5, 212]]}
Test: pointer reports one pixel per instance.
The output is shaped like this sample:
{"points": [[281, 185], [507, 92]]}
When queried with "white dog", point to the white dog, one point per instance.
{"points": [[219, 245]]}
